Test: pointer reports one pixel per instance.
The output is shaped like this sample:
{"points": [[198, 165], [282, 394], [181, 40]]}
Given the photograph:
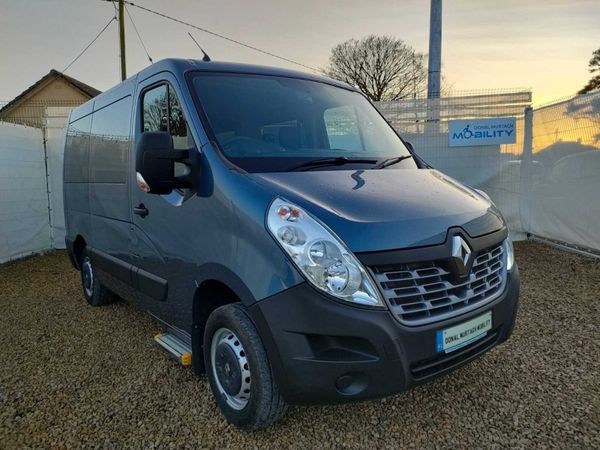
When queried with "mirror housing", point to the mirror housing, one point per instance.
{"points": [[155, 163]]}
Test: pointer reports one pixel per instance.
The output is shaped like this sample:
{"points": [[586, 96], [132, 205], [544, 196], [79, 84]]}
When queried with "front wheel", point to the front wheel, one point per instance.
{"points": [[239, 371]]}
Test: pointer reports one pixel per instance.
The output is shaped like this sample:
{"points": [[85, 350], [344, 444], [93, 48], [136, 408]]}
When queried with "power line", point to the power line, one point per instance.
{"points": [[251, 47], [90, 44], [138, 34]]}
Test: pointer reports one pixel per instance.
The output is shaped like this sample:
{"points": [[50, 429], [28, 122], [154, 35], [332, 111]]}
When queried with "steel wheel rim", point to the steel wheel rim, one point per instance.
{"points": [[226, 337], [88, 276]]}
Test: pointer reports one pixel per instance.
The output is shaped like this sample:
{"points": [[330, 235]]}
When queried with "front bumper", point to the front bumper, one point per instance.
{"points": [[323, 351]]}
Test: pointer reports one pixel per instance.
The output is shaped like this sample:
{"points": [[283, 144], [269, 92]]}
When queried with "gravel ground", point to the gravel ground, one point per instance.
{"points": [[73, 376]]}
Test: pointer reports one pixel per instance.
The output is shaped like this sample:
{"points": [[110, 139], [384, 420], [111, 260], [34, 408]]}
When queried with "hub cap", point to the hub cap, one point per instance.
{"points": [[230, 368], [88, 276]]}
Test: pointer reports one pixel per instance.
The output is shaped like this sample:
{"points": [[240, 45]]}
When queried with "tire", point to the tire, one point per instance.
{"points": [[93, 290], [246, 393]]}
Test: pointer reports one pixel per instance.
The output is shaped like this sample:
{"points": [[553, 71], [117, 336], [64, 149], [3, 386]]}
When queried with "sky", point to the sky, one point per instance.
{"points": [[544, 45]]}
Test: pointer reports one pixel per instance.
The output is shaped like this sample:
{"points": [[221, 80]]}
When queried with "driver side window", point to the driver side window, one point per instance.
{"points": [[162, 112]]}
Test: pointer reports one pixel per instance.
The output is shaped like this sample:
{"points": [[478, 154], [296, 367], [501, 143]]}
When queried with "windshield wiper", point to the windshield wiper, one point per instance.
{"points": [[339, 161], [391, 161]]}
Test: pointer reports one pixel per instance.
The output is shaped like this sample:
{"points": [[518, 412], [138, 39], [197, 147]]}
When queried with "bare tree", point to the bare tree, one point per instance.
{"points": [[382, 67]]}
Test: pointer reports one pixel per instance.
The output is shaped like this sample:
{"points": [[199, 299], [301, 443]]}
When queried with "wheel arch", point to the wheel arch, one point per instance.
{"points": [[216, 286], [75, 249]]}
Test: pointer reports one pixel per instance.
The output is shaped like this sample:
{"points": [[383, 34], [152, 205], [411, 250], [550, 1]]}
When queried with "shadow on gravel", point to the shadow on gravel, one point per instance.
{"points": [[72, 375]]}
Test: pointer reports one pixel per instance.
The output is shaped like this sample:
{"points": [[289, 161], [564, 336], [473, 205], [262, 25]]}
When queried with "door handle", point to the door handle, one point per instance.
{"points": [[141, 210]]}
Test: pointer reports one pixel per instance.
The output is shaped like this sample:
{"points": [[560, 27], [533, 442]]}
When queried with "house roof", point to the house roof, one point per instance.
{"points": [[85, 89]]}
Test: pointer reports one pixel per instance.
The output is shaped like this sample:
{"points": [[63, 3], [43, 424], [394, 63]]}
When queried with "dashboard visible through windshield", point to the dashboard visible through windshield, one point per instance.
{"points": [[265, 123]]}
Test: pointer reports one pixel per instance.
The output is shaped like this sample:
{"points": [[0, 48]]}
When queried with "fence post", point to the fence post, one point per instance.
{"points": [[526, 159], [48, 191], [528, 135]]}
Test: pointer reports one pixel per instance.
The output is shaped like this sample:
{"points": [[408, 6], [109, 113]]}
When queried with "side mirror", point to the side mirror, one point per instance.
{"points": [[155, 163]]}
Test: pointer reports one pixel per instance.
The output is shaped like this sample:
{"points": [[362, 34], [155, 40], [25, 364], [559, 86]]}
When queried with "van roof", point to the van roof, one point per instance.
{"points": [[183, 65], [180, 66]]}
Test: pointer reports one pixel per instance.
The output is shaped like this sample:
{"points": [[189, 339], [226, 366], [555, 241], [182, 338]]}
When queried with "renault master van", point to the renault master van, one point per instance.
{"points": [[292, 246]]}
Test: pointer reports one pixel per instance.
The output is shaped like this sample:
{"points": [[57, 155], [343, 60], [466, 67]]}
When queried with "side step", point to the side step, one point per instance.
{"points": [[175, 347]]}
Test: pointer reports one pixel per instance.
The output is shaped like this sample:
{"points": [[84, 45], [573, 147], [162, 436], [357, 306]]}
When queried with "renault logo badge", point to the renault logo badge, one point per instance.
{"points": [[461, 254]]}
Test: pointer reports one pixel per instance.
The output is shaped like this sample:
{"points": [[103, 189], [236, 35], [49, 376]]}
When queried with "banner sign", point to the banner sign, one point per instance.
{"points": [[467, 133]]}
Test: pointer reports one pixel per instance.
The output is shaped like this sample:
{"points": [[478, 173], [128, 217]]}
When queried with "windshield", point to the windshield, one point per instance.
{"points": [[270, 123]]}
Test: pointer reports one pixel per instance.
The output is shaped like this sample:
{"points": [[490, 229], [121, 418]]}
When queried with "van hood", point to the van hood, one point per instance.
{"points": [[374, 210]]}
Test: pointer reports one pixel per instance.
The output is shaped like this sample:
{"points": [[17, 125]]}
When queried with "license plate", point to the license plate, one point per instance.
{"points": [[464, 333]]}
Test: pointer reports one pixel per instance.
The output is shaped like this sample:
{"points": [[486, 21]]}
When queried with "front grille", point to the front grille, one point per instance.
{"points": [[420, 293]]}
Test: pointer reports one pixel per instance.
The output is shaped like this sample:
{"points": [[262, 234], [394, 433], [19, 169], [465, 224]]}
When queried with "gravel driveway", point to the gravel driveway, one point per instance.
{"points": [[72, 376]]}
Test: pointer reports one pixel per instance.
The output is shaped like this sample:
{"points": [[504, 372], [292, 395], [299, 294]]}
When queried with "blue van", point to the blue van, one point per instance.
{"points": [[292, 245]]}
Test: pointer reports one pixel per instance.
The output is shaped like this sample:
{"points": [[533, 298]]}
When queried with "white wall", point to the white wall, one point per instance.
{"points": [[24, 225]]}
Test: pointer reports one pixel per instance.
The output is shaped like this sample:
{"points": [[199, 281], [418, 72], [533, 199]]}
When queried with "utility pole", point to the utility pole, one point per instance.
{"points": [[434, 67], [122, 38], [435, 50]]}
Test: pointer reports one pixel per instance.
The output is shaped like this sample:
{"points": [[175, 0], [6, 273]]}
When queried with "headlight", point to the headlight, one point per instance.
{"points": [[320, 255], [510, 253]]}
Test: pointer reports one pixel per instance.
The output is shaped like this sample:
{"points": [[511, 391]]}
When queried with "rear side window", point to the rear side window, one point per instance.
{"points": [[162, 112]]}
